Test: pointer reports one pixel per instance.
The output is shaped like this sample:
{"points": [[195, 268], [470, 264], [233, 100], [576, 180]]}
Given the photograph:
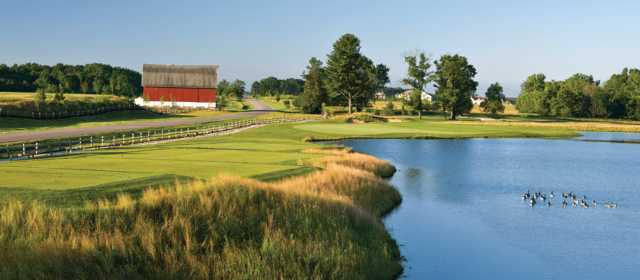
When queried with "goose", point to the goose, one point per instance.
{"points": [[549, 204], [552, 195], [532, 202], [564, 203], [594, 203]]}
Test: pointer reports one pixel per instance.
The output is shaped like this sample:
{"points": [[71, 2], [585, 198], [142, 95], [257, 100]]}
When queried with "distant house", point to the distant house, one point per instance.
{"points": [[380, 95], [191, 86], [477, 100], [406, 95]]}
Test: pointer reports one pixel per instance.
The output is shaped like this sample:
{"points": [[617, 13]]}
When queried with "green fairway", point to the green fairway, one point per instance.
{"points": [[244, 154], [323, 213], [265, 153], [427, 129]]}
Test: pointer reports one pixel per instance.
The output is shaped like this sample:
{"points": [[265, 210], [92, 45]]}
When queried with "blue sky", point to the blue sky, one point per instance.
{"points": [[505, 40]]}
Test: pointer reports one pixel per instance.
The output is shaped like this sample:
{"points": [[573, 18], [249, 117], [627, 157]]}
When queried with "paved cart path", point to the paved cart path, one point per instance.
{"points": [[26, 136]]}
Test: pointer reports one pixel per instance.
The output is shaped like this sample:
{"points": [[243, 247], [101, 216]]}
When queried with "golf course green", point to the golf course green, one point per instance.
{"points": [[264, 153]]}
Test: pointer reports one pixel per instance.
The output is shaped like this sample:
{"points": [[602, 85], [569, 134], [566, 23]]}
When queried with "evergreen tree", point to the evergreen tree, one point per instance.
{"points": [[350, 75], [314, 94]]}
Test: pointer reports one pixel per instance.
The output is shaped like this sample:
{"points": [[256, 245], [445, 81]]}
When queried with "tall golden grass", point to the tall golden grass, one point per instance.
{"points": [[322, 226], [348, 158], [619, 126]]}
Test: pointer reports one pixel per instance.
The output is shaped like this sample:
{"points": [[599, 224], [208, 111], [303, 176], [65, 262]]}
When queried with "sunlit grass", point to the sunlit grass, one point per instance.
{"points": [[322, 226]]}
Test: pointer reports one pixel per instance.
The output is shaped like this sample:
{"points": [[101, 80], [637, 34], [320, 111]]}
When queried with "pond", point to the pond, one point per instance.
{"points": [[462, 215]]}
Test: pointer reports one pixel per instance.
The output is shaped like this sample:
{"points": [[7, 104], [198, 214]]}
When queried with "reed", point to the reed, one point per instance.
{"points": [[348, 158], [325, 225]]}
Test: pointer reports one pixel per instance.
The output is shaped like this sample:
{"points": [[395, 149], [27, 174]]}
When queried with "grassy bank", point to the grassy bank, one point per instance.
{"points": [[266, 152], [309, 211], [322, 226], [426, 129], [280, 105], [9, 125]]}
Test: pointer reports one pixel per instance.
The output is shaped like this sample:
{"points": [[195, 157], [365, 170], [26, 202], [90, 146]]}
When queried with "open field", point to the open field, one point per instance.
{"points": [[279, 105], [13, 97], [267, 152], [8, 125], [509, 109], [171, 210], [427, 129]]}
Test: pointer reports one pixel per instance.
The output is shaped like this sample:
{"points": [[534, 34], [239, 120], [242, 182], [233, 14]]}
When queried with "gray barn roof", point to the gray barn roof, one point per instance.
{"points": [[186, 76]]}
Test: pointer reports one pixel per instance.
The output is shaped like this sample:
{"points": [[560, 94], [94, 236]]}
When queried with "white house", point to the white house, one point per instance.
{"points": [[477, 100], [406, 95]]}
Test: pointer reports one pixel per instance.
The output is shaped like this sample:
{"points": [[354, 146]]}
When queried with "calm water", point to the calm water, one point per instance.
{"points": [[462, 216]]}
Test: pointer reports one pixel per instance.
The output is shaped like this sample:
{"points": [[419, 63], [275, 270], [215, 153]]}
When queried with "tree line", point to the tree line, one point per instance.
{"points": [[272, 86], [351, 79], [582, 96], [62, 78], [228, 90]]}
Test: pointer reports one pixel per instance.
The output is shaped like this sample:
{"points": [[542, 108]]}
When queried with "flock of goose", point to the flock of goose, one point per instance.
{"points": [[576, 201]]}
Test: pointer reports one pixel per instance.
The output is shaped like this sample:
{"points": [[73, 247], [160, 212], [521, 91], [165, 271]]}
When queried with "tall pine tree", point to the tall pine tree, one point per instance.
{"points": [[314, 94], [350, 75]]}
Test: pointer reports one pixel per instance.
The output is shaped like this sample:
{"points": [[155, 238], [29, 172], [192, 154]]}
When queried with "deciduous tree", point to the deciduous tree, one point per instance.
{"points": [[455, 84], [494, 99], [418, 77]]}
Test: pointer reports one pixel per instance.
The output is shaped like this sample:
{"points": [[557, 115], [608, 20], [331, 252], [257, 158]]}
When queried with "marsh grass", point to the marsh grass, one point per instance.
{"points": [[347, 158], [325, 225]]}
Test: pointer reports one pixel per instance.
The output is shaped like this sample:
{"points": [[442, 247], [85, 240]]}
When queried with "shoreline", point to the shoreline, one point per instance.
{"points": [[346, 198]]}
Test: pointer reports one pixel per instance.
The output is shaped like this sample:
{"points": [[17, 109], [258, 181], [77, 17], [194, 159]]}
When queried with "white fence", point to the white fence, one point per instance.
{"points": [[32, 150]]}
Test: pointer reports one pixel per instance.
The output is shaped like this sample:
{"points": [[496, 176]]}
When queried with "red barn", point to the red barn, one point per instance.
{"points": [[179, 85]]}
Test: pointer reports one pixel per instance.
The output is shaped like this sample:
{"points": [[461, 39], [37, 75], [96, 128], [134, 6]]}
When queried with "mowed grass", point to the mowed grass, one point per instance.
{"points": [[245, 154], [106, 214], [264, 153], [428, 129], [9, 125], [13, 97], [279, 105]]}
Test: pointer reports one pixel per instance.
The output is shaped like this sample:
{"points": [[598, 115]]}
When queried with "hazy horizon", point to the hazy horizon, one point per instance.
{"points": [[505, 41]]}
